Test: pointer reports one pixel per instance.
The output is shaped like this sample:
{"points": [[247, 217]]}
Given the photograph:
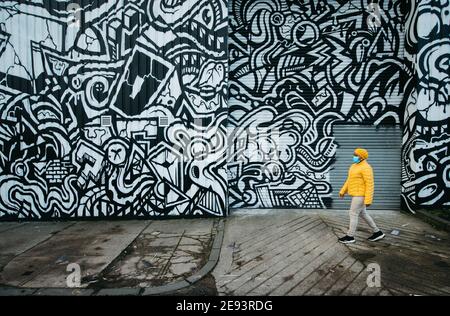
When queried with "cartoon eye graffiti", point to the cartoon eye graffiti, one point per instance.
{"points": [[76, 82], [97, 92], [428, 190], [20, 169], [199, 148], [206, 16], [305, 33], [273, 170]]}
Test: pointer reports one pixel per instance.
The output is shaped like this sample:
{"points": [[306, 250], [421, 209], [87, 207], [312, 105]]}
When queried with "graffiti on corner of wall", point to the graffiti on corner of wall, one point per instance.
{"points": [[296, 69], [113, 108], [426, 148]]}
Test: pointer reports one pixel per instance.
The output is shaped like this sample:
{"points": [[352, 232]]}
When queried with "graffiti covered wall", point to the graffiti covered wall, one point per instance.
{"points": [[119, 108], [113, 108], [296, 69], [426, 138]]}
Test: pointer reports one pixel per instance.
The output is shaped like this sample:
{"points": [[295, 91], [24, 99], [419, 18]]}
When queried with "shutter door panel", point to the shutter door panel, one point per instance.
{"points": [[384, 146], [344, 71]]}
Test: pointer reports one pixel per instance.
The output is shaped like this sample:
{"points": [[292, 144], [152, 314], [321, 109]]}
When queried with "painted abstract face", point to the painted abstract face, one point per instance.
{"points": [[193, 33]]}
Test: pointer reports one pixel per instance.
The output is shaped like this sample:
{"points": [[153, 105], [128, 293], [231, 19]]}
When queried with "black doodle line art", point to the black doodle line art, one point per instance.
{"points": [[113, 108]]}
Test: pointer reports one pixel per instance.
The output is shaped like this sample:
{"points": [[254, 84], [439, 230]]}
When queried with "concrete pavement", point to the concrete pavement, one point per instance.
{"points": [[114, 257], [296, 253], [262, 252]]}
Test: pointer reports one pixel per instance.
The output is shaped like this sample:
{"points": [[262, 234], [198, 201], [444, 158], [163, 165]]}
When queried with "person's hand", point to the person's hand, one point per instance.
{"points": [[341, 195]]}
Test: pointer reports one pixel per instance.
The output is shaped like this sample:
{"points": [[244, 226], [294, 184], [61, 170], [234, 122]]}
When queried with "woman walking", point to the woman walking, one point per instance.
{"points": [[360, 185]]}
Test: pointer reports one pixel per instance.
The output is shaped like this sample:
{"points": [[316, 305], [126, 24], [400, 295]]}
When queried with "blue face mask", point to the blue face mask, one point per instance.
{"points": [[356, 159]]}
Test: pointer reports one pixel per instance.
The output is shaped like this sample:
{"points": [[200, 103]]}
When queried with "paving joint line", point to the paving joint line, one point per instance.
{"points": [[155, 290]]}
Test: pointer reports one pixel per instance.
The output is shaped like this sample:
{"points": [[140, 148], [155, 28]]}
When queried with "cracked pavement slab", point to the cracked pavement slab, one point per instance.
{"points": [[291, 252], [110, 254], [157, 258]]}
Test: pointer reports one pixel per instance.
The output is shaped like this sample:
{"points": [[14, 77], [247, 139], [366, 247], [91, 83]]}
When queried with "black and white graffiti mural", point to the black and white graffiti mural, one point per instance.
{"points": [[426, 138], [113, 108], [125, 108], [296, 69]]}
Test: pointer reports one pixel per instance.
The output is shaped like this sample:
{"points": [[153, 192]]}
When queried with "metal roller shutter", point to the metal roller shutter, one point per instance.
{"points": [[319, 73], [384, 146]]}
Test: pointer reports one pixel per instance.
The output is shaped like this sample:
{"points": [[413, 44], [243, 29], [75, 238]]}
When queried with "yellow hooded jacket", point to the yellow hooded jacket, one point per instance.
{"points": [[360, 181]]}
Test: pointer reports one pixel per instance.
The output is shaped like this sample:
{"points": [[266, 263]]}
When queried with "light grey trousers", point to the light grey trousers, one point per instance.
{"points": [[358, 208]]}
